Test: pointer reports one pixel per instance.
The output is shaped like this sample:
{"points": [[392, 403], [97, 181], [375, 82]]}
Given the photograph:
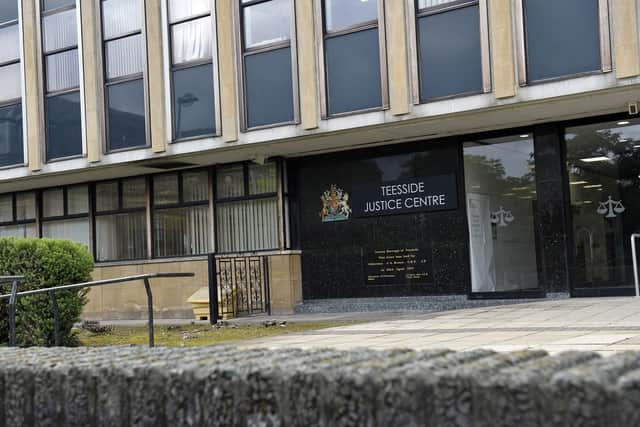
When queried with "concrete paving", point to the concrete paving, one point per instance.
{"points": [[604, 325]]}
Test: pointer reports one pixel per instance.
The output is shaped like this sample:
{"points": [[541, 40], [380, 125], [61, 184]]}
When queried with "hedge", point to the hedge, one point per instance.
{"points": [[45, 263]]}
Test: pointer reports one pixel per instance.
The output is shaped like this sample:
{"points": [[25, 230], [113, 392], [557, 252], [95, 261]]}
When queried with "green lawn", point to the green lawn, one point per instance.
{"points": [[195, 335]]}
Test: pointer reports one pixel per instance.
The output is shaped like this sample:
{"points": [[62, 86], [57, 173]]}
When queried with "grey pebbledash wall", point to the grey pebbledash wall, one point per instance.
{"points": [[224, 386]]}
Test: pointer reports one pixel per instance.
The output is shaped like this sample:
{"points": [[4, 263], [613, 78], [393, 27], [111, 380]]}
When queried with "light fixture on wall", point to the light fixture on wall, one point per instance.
{"points": [[595, 159]]}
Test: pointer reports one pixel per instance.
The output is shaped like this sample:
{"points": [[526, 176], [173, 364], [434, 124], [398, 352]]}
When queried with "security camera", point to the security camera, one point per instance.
{"points": [[632, 108]]}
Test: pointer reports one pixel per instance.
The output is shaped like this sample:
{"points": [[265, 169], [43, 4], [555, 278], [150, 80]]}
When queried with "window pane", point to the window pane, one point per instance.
{"points": [[11, 152], [64, 126], [165, 189], [78, 200], [134, 193], [6, 208], [341, 14], [267, 23], [121, 237], [60, 30], [556, 49], [76, 230], [500, 184], [126, 115], [269, 88], [10, 82], [353, 72], [120, 17], [183, 231], [230, 182], [193, 102], [450, 54], [10, 42], [107, 196], [8, 10], [25, 206], [124, 57], [53, 203], [19, 231], [247, 226], [54, 4], [191, 41], [181, 9], [63, 71], [195, 186], [423, 4], [263, 178]]}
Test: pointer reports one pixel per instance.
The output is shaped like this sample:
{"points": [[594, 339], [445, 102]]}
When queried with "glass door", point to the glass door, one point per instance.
{"points": [[603, 166], [501, 200]]}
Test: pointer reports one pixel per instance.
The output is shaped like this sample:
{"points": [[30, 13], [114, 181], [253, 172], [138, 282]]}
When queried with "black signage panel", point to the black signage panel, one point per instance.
{"points": [[433, 193], [398, 266]]}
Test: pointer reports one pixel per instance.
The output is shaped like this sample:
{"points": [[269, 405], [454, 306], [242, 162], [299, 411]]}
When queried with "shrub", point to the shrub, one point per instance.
{"points": [[45, 263]]}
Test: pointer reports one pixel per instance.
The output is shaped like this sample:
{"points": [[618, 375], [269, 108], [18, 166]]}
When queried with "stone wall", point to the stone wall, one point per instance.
{"points": [[225, 386]]}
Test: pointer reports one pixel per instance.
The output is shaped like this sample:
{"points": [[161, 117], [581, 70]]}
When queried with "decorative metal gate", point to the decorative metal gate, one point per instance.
{"points": [[243, 286]]}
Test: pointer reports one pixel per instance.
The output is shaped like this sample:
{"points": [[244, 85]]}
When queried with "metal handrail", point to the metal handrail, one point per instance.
{"points": [[635, 263], [14, 295], [14, 280]]}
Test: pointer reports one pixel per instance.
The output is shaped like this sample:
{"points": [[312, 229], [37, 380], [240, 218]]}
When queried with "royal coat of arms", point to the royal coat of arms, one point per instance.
{"points": [[335, 205]]}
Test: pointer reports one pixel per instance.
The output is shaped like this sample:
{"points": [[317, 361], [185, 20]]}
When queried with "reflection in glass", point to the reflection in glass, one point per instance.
{"points": [[134, 193], [107, 196], [230, 182], [165, 189], [126, 115], [78, 200], [195, 186], [193, 101], [64, 126], [10, 82], [6, 208], [267, 23], [11, 152], [25, 206], [341, 14], [54, 4], [182, 9], [10, 42], [501, 199], [8, 10], [263, 178], [423, 4], [53, 203]]}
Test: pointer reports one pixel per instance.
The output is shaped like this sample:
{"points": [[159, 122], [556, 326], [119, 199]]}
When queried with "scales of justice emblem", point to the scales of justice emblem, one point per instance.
{"points": [[335, 205], [502, 217], [611, 208]]}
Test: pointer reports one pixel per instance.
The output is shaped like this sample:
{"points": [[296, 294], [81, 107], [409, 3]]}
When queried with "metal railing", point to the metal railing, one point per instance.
{"points": [[635, 263], [14, 295]]}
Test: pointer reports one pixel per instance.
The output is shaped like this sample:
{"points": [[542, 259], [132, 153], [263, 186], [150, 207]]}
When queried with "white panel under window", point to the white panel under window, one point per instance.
{"points": [[191, 40], [423, 4], [120, 17], [76, 230], [10, 82], [182, 9], [60, 30], [63, 71], [53, 203], [125, 57], [10, 43]]}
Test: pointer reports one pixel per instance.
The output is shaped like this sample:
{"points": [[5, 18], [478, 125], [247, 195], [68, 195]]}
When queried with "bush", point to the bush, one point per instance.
{"points": [[45, 263]]}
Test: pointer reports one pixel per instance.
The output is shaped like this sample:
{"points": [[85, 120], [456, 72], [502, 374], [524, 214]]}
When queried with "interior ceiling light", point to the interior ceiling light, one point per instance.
{"points": [[579, 182], [595, 159], [524, 135], [593, 186], [623, 123], [520, 188]]}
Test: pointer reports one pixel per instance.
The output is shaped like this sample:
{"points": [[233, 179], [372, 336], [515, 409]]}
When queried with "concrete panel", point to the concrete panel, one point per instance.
{"points": [[156, 76], [502, 48], [285, 282], [93, 95], [625, 38], [35, 127], [227, 69], [307, 66], [398, 62]]}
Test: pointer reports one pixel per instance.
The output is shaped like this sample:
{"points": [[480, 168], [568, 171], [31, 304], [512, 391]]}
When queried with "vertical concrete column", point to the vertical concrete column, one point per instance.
{"points": [[307, 65], [625, 38], [396, 31], [33, 104], [227, 69], [155, 75], [93, 98], [502, 48]]}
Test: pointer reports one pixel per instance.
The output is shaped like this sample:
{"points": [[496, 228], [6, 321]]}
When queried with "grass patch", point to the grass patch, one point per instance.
{"points": [[195, 335]]}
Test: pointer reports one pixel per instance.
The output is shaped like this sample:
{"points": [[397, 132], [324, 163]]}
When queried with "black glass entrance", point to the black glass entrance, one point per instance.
{"points": [[603, 167]]}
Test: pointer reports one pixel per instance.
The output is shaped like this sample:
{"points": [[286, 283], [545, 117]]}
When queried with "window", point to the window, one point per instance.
{"points": [[181, 223], [11, 148], [191, 33], [554, 49], [65, 213], [267, 62], [18, 215], [352, 41], [121, 220], [452, 44], [247, 207], [62, 79], [125, 63]]}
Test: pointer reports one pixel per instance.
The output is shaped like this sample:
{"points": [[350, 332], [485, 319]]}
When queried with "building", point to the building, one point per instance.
{"points": [[340, 148]]}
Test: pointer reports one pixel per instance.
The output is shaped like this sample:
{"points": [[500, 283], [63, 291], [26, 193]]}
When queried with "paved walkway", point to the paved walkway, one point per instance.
{"points": [[605, 325]]}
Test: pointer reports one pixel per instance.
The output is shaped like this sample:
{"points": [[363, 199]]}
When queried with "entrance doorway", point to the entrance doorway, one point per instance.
{"points": [[603, 166]]}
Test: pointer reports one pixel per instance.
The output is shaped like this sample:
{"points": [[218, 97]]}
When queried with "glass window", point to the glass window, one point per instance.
{"points": [[341, 14], [10, 42], [76, 230], [10, 82], [230, 182], [25, 206], [193, 101], [501, 197], [182, 9], [191, 41], [126, 115], [65, 214], [124, 57], [53, 203], [8, 10], [267, 23], [555, 49], [195, 186], [120, 17], [263, 178], [424, 4], [19, 230], [165, 189], [54, 4], [449, 52], [64, 125], [11, 151], [18, 215], [63, 71], [6, 208], [78, 199], [60, 30], [107, 196], [134, 193]]}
